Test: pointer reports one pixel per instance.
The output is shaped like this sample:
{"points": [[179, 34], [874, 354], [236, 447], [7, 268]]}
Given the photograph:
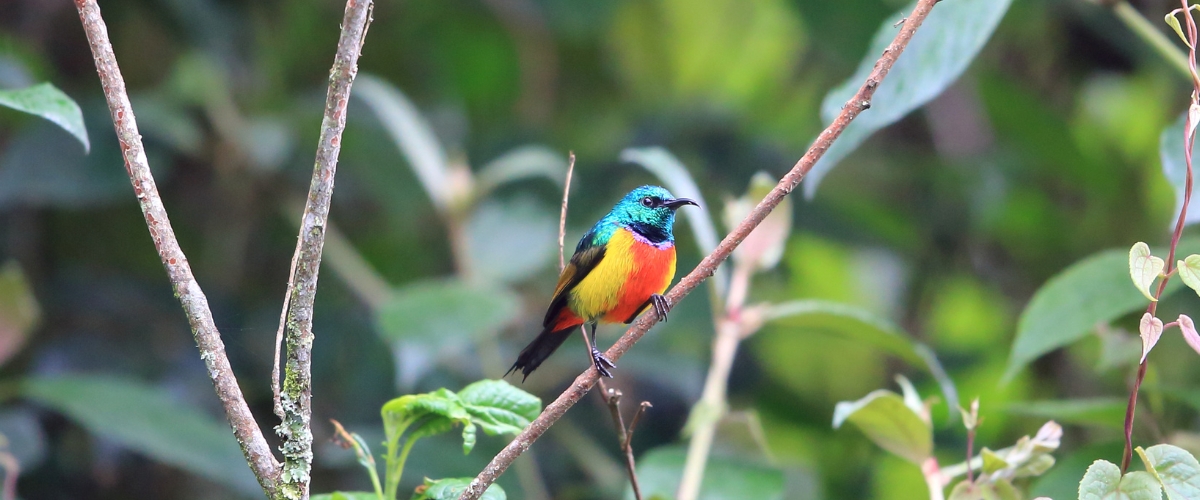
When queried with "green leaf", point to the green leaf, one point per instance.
{"points": [[725, 478], [443, 312], [525, 162], [1189, 272], [498, 407], [511, 240], [998, 490], [46, 101], [848, 321], [1170, 150], [1144, 268], [19, 311], [433, 413], [991, 461], [346, 495], [1175, 468], [883, 417], [1100, 412], [1092, 291], [149, 420], [939, 52], [411, 132], [451, 488], [675, 177], [1103, 481]]}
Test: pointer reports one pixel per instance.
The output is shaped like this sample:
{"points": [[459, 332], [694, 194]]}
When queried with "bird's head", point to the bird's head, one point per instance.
{"points": [[649, 209]]}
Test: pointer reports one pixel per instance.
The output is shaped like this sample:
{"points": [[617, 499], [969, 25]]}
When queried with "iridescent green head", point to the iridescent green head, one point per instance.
{"points": [[648, 210]]}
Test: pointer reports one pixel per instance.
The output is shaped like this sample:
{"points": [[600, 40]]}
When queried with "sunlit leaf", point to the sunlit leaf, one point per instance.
{"points": [[46, 101], [19, 311], [675, 178], [953, 33], [149, 420], [1144, 268], [412, 134], [883, 417], [1103, 481], [1175, 468], [433, 413], [1150, 329], [498, 407], [1092, 291], [991, 461], [451, 488], [848, 321], [660, 470]]}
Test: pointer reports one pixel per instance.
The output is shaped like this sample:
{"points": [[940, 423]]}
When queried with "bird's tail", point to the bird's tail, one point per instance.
{"points": [[542, 347]]}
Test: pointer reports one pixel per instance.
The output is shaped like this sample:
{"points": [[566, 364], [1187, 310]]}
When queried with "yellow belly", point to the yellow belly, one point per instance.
{"points": [[600, 291]]}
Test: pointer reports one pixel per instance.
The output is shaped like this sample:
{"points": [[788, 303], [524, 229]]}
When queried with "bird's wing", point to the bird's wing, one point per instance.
{"points": [[585, 259]]}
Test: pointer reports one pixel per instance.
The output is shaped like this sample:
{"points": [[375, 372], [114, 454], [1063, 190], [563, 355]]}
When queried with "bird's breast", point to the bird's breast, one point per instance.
{"points": [[631, 271]]}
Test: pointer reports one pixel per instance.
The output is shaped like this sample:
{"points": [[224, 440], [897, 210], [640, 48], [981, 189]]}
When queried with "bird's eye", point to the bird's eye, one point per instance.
{"points": [[648, 202]]}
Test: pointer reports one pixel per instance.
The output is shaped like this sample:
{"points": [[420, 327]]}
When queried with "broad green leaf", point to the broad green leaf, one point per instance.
{"points": [[441, 313], [433, 413], [998, 490], [511, 240], [725, 478], [498, 407], [953, 33], [883, 417], [1170, 149], [1150, 330], [1103, 481], [1189, 272], [1175, 468], [853, 322], [1101, 412], [411, 132], [1092, 291], [675, 177], [346, 495], [46, 101], [763, 248], [19, 311], [524, 162], [1144, 268], [149, 420], [451, 488]]}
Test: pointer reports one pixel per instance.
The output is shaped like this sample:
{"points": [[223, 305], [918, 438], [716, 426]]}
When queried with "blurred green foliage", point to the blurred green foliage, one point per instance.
{"points": [[1056, 138]]}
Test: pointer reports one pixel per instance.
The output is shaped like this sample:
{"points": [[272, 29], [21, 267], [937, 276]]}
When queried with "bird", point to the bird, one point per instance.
{"points": [[620, 268]]}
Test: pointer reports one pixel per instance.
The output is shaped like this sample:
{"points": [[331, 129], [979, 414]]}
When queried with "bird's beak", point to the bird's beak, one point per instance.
{"points": [[679, 202]]}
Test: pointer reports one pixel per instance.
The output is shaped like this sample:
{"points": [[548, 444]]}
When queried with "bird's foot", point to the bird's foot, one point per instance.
{"points": [[602, 363], [661, 306]]}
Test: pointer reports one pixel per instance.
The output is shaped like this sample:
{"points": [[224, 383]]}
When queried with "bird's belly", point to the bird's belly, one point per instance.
{"points": [[621, 284]]}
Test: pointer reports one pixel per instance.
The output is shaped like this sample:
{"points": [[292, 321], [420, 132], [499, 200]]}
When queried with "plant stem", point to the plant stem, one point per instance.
{"points": [[584, 382], [1188, 144], [1152, 36], [187, 290], [933, 479]]}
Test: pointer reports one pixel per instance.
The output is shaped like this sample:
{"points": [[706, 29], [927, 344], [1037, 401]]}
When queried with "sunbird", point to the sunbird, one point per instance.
{"points": [[620, 268]]}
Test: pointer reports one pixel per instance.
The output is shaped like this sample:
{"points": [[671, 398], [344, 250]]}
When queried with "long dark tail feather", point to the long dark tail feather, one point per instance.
{"points": [[536, 352]]}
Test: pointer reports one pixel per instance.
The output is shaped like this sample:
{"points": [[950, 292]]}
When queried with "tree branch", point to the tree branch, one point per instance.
{"points": [[191, 297], [295, 398], [584, 382]]}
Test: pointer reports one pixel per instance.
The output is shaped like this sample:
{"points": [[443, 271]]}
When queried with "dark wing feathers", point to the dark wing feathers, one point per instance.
{"points": [[585, 259]]}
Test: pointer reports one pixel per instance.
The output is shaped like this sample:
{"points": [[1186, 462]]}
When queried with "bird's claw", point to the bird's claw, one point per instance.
{"points": [[602, 363], [661, 306]]}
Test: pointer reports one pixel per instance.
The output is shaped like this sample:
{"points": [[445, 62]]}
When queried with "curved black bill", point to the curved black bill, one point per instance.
{"points": [[679, 202]]}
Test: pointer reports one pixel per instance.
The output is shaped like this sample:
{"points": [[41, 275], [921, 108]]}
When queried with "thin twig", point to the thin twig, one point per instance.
{"points": [[296, 394], [1188, 144], [287, 302], [612, 398], [191, 297], [562, 217], [584, 382]]}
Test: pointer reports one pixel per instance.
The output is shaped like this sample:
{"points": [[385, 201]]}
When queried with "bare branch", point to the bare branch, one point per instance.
{"points": [[191, 297], [584, 382], [612, 398], [296, 395], [562, 216]]}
